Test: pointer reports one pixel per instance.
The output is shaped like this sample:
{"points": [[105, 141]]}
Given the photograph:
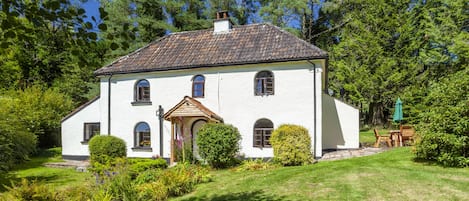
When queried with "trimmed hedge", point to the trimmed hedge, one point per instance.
{"points": [[105, 147], [292, 145], [218, 144]]}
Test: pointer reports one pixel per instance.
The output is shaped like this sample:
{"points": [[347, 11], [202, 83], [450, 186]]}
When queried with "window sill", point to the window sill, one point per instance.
{"points": [[84, 142], [264, 147], [262, 95], [142, 149], [137, 103]]}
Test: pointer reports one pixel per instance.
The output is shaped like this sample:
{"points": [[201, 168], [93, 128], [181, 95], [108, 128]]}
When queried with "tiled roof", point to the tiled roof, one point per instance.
{"points": [[248, 44], [189, 107]]}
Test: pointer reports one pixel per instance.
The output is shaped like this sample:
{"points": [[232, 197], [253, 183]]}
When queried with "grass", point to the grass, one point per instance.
{"points": [[392, 175], [34, 169], [367, 138]]}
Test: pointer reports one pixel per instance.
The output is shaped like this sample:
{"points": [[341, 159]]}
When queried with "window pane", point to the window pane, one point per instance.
{"points": [[264, 83], [267, 134], [198, 90], [258, 86], [262, 132], [142, 91], [199, 78], [143, 136], [91, 129]]}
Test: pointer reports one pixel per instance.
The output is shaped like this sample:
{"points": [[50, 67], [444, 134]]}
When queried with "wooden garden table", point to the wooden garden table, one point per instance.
{"points": [[396, 137]]}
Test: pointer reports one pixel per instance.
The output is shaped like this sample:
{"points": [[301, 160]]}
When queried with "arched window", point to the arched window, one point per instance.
{"points": [[264, 83], [142, 91], [198, 86], [142, 135], [262, 131]]}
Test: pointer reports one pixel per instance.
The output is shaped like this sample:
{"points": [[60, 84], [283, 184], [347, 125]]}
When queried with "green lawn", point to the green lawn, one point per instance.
{"points": [[35, 170], [367, 138], [392, 175]]}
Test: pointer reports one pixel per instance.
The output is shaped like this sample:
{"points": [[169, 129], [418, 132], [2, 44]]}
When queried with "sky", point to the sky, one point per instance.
{"points": [[91, 7]]}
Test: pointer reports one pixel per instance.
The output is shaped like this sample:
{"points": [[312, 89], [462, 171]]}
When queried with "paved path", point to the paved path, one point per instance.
{"points": [[80, 166], [344, 154]]}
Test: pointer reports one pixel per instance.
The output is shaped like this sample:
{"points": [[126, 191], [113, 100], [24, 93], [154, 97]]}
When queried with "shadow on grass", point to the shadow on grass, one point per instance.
{"points": [[42, 156], [241, 196], [9, 179], [426, 162]]}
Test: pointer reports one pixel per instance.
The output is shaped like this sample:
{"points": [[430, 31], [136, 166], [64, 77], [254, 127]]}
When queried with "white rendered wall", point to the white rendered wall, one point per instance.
{"points": [[73, 129], [340, 124], [229, 92]]}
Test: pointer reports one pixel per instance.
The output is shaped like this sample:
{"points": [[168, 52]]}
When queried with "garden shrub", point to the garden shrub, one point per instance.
{"points": [[31, 191], [446, 149], [218, 144], [292, 145], [153, 191], [148, 176], [105, 147], [79, 192], [140, 165], [444, 127], [121, 186], [106, 153], [175, 181]]}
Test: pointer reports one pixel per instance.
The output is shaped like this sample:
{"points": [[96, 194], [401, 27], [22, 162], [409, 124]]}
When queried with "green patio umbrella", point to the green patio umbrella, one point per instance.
{"points": [[398, 117]]}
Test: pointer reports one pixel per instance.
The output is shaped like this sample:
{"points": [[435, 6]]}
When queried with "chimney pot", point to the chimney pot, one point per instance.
{"points": [[222, 23]]}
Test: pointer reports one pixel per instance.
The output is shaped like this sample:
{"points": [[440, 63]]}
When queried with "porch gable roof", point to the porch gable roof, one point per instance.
{"points": [[189, 107]]}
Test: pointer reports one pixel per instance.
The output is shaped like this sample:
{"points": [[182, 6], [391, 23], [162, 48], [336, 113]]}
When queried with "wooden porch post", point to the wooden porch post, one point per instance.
{"points": [[171, 158]]}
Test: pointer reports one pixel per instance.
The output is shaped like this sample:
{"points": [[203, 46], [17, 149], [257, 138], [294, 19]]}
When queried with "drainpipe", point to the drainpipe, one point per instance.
{"points": [[160, 116], [315, 109], [109, 105]]}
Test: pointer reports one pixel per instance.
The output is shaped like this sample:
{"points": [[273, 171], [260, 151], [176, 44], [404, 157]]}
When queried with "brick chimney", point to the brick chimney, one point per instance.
{"points": [[222, 23]]}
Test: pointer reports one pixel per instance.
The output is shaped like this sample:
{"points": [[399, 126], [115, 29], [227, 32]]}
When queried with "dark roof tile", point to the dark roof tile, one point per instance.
{"points": [[256, 43]]}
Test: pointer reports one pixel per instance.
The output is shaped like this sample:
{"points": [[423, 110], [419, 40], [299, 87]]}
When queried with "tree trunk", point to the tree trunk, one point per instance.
{"points": [[376, 114]]}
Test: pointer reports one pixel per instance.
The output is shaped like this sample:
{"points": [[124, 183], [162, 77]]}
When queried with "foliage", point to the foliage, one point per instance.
{"points": [[148, 176], [105, 147], [174, 181], [182, 178], [107, 155], [153, 191], [445, 125], [292, 145], [33, 191], [380, 50], [27, 116], [35, 110], [121, 186], [137, 166], [253, 165], [218, 144]]}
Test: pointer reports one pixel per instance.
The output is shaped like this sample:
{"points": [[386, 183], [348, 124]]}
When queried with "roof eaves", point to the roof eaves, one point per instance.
{"points": [[212, 65]]}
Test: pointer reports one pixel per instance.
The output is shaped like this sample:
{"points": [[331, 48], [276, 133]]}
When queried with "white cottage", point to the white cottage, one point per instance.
{"points": [[255, 77]]}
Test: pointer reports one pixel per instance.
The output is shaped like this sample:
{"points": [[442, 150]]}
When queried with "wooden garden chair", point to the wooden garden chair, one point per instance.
{"points": [[407, 133], [382, 138]]}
